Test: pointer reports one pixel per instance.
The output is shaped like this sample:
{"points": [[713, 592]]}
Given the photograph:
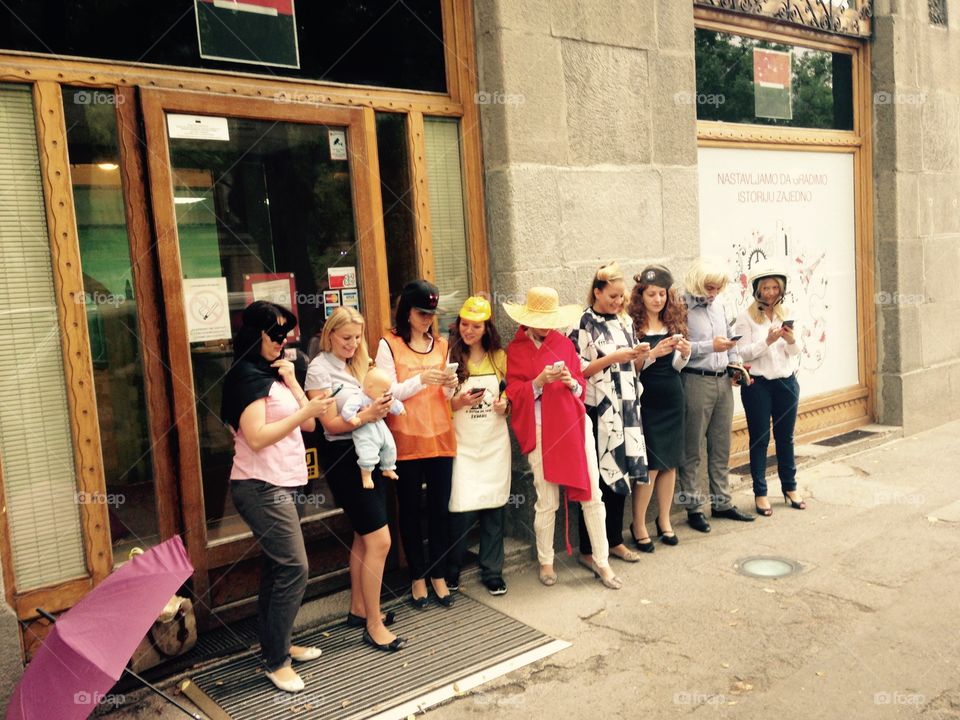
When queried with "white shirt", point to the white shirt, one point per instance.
{"points": [[325, 371], [400, 390], [768, 361]]}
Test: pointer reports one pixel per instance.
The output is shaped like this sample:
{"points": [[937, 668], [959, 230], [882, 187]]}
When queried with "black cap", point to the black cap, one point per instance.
{"points": [[421, 295], [654, 275]]}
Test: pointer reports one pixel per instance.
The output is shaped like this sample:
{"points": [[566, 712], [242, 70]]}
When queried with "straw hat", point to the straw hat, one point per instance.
{"points": [[543, 310]]}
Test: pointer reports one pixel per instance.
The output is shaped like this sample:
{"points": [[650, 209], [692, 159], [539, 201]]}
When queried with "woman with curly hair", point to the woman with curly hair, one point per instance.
{"points": [[659, 318]]}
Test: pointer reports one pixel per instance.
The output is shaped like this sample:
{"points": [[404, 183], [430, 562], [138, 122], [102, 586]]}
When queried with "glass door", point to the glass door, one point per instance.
{"points": [[253, 200]]}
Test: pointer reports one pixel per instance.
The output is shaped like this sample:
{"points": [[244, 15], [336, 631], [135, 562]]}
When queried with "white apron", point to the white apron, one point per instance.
{"points": [[481, 469]]}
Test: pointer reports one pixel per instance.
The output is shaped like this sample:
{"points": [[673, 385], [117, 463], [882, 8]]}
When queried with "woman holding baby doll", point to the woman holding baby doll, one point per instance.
{"points": [[769, 344], [659, 319], [415, 358], [342, 366], [609, 356], [481, 470]]}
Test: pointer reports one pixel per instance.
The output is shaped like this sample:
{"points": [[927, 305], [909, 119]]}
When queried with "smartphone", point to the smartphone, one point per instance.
{"points": [[788, 323], [452, 367], [290, 354], [642, 347], [735, 337], [678, 337], [475, 391], [337, 389], [559, 365]]}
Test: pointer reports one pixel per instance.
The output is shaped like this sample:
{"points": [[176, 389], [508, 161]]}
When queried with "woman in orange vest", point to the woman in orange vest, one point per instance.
{"points": [[415, 357]]}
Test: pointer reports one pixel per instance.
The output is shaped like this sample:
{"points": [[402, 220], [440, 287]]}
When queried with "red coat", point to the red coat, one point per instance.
{"points": [[561, 412]]}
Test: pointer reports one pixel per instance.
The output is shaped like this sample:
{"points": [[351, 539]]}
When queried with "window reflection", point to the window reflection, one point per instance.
{"points": [[732, 85], [111, 309], [267, 207]]}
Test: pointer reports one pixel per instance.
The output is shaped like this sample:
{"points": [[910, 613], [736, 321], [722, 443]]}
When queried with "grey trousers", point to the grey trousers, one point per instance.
{"points": [[491, 541], [709, 410], [273, 514]]}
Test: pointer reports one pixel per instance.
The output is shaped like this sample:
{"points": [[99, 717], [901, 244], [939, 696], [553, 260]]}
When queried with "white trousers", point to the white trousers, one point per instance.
{"points": [[548, 501]]}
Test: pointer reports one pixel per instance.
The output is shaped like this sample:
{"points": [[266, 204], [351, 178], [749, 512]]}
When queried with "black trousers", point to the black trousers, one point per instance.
{"points": [[435, 473], [491, 541]]}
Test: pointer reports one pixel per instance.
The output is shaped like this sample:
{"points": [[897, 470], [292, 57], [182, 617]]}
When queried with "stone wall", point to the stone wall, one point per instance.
{"points": [[590, 150], [589, 154], [916, 78]]}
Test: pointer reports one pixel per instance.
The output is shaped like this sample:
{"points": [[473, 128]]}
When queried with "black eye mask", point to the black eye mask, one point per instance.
{"points": [[277, 333]]}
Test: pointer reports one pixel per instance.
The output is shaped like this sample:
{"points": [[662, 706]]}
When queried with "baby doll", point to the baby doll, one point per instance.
{"points": [[373, 441]]}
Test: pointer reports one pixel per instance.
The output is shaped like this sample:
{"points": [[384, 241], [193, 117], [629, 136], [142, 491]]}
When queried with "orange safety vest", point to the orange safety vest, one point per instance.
{"points": [[426, 430]]}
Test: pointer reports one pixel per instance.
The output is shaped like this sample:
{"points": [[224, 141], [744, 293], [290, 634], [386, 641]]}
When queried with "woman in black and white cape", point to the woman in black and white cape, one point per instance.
{"points": [[609, 354]]}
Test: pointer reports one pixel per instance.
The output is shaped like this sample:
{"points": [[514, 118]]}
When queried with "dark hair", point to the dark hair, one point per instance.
{"points": [[460, 351], [401, 320], [673, 315], [258, 317]]}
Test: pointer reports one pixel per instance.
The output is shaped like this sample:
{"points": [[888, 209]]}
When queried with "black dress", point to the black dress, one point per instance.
{"points": [[662, 410]]}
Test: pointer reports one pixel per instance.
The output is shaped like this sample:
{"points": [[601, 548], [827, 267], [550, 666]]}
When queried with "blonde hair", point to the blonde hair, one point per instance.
{"points": [[360, 362], [705, 270], [605, 275], [756, 312]]}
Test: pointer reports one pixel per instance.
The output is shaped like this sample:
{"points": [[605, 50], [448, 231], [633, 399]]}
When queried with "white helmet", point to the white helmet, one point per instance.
{"points": [[767, 269]]}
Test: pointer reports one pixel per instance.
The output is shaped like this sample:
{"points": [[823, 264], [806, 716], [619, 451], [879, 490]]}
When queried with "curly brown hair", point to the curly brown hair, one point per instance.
{"points": [[673, 315]]}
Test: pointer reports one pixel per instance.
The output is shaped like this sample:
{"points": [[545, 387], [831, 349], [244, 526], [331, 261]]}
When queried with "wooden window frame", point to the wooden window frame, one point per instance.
{"points": [[838, 411], [47, 74]]}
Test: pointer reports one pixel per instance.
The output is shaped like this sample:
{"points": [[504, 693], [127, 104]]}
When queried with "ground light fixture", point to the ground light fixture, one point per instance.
{"points": [[767, 567]]}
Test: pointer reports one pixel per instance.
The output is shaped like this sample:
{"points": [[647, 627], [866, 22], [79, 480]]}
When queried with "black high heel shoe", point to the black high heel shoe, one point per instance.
{"points": [[646, 546], [670, 539], [398, 643], [796, 505], [765, 512]]}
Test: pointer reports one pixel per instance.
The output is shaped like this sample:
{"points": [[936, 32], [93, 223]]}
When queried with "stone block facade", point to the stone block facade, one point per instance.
{"points": [[917, 213]]}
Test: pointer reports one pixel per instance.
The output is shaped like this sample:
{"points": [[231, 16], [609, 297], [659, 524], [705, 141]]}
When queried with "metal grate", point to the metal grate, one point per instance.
{"points": [[938, 12], [845, 438], [353, 681]]}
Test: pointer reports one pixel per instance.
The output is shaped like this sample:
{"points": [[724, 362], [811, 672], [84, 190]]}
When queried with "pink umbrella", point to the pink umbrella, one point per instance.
{"points": [[87, 650]]}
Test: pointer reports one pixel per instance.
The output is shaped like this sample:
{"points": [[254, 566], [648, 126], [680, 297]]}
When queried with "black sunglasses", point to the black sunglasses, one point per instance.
{"points": [[277, 333]]}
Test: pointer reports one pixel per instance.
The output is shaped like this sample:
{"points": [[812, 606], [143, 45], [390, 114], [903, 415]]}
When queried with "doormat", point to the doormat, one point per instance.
{"points": [[450, 651], [845, 438]]}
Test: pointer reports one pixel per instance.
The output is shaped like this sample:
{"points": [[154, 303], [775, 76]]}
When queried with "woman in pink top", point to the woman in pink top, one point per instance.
{"points": [[266, 410]]}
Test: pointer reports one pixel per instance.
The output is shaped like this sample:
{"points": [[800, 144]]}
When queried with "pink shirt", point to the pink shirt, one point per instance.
{"points": [[284, 463]]}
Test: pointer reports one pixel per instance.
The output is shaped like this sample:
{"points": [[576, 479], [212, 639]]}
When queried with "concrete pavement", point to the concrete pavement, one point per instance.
{"points": [[867, 629]]}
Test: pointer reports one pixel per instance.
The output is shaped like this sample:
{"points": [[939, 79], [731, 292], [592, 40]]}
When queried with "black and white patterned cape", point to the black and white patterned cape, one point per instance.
{"points": [[615, 393]]}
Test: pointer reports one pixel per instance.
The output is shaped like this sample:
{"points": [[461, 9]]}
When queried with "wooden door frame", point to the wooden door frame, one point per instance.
{"points": [[361, 134]]}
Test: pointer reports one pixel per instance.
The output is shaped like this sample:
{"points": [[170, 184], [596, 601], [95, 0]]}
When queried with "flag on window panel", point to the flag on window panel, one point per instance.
{"points": [[772, 81], [262, 32]]}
